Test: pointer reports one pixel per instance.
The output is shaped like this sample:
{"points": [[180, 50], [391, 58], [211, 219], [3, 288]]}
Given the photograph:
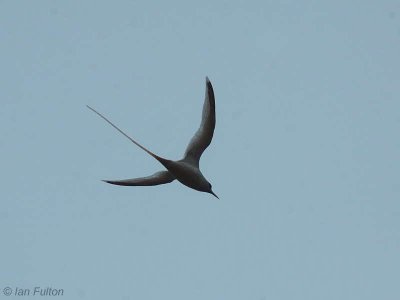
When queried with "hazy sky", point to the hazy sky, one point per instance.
{"points": [[305, 156]]}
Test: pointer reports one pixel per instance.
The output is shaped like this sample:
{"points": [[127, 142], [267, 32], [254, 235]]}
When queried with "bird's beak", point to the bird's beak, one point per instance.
{"points": [[214, 194]]}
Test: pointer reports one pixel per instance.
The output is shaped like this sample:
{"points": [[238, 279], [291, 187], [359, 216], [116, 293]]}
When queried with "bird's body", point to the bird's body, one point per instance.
{"points": [[186, 170], [187, 174]]}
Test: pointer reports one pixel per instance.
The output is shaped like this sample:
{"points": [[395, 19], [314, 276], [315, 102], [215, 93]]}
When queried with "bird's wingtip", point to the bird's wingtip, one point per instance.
{"points": [[207, 79]]}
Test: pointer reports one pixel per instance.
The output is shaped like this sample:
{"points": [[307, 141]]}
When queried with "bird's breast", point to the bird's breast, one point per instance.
{"points": [[187, 174]]}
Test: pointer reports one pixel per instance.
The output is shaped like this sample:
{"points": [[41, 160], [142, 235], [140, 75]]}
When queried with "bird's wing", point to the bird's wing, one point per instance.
{"points": [[157, 178], [204, 134]]}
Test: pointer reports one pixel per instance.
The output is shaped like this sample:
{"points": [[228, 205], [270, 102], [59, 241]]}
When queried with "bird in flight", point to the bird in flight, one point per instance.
{"points": [[187, 169]]}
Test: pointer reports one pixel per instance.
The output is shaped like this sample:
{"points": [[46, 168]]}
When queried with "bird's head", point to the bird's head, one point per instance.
{"points": [[209, 190]]}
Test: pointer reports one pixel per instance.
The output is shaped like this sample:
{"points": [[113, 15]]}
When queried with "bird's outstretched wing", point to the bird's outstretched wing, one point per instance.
{"points": [[157, 178], [204, 134]]}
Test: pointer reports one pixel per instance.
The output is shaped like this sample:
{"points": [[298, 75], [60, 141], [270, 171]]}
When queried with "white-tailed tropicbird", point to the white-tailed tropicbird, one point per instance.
{"points": [[187, 169]]}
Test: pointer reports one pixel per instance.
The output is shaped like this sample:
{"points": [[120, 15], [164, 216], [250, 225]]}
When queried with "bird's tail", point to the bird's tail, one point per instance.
{"points": [[160, 159]]}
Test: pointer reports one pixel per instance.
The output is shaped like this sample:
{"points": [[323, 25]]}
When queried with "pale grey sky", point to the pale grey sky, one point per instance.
{"points": [[305, 156]]}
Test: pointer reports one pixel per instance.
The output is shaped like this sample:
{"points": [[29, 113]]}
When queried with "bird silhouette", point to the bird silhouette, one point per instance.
{"points": [[187, 169]]}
